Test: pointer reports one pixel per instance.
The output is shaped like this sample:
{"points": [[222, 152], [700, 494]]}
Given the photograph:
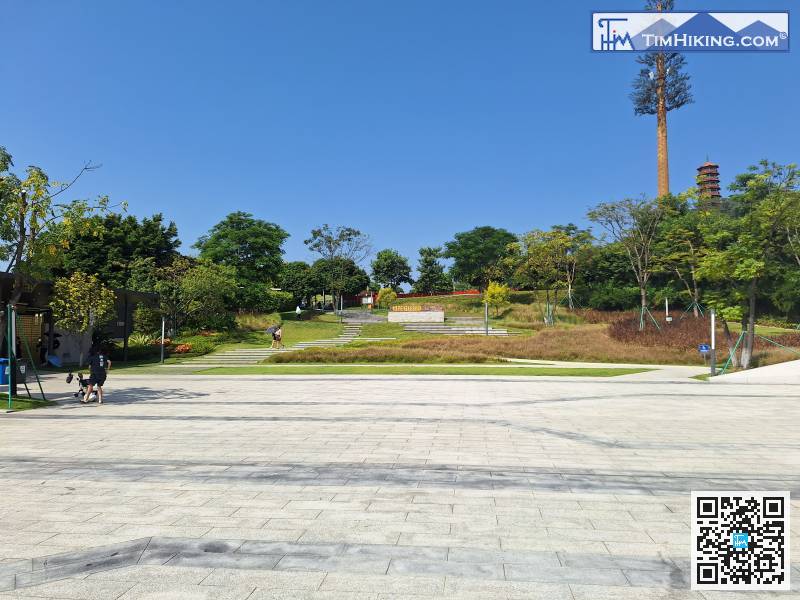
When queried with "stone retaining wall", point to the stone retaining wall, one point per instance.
{"points": [[422, 316]]}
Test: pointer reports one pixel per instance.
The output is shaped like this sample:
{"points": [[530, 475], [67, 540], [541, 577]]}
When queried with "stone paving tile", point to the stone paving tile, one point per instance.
{"points": [[348, 564], [388, 584], [254, 533], [265, 594], [541, 479], [161, 590], [459, 587], [77, 589], [457, 569], [544, 559], [143, 573], [601, 592], [223, 560], [282, 580], [524, 572]]}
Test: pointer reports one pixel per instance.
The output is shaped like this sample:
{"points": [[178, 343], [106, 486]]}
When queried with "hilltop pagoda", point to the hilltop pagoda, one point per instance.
{"points": [[708, 181]]}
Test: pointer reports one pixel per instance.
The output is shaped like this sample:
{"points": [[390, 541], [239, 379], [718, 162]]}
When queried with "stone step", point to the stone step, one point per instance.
{"points": [[445, 330]]}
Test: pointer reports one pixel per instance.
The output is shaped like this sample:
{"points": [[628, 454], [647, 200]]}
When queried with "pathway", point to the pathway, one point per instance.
{"points": [[242, 357], [421, 488]]}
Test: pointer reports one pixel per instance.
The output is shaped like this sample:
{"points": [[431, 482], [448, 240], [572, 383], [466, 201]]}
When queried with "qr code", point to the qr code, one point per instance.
{"points": [[740, 541]]}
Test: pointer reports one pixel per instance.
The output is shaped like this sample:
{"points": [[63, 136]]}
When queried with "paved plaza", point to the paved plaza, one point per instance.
{"points": [[336, 487]]}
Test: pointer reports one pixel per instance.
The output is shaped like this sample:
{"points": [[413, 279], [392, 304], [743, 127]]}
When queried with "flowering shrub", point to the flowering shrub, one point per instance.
{"points": [[182, 348]]}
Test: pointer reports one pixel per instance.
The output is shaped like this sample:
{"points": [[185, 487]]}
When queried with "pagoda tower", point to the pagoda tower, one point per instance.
{"points": [[708, 181]]}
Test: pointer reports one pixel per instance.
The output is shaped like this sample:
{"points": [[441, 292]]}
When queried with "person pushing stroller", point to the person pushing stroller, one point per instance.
{"points": [[99, 364]]}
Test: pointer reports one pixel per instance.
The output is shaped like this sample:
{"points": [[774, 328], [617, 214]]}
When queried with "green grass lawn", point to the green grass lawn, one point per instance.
{"points": [[18, 403], [418, 370], [319, 327], [765, 330], [394, 330], [250, 332], [701, 377]]}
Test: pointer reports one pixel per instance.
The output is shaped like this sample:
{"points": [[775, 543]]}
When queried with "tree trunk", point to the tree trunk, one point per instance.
{"points": [[661, 127], [569, 295], [84, 338], [731, 344], [750, 321], [643, 307]]}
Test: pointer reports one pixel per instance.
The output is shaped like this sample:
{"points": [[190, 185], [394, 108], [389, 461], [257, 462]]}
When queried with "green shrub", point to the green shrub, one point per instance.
{"points": [[135, 352], [386, 297], [146, 320], [257, 321], [140, 339], [521, 297], [200, 344], [259, 298], [610, 296]]}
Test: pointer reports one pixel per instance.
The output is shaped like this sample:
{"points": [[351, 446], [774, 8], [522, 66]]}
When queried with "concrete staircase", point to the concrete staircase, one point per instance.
{"points": [[447, 329], [243, 357]]}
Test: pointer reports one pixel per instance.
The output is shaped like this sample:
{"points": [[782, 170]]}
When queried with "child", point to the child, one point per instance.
{"points": [[98, 364]]}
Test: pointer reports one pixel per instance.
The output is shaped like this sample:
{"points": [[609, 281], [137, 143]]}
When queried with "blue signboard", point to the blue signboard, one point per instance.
{"points": [[704, 348]]}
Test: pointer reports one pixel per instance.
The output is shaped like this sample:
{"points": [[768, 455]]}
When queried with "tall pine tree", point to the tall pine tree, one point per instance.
{"points": [[432, 277], [661, 86]]}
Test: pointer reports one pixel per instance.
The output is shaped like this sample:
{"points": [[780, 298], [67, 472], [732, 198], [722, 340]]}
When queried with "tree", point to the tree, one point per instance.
{"points": [[746, 245], [80, 304], [296, 278], [391, 269], [679, 247], [207, 292], [166, 282], [252, 246], [34, 225], [386, 297], [341, 275], [661, 86], [569, 244], [497, 295], [341, 249], [634, 225], [339, 242], [113, 244], [261, 298], [536, 266], [432, 277], [476, 252]]}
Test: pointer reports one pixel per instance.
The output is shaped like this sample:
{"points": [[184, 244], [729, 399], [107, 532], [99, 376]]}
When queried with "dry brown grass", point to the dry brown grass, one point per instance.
{"points": [[588, 343], [382, 353]]}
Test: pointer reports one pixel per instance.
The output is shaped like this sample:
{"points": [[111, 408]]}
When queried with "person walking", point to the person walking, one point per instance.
{"points": [[278, 337], [99, 364]]}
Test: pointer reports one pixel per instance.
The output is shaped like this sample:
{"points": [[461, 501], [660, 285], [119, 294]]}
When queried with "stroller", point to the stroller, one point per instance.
{"points": [[83, 383]]}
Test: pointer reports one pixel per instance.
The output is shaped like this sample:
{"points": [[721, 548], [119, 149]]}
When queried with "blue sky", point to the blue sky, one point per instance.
{"points": [[410, 120]]}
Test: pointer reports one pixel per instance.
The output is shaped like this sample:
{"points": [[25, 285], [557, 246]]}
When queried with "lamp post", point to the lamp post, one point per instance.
{"points": [[163, 327], [713, 342]]}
